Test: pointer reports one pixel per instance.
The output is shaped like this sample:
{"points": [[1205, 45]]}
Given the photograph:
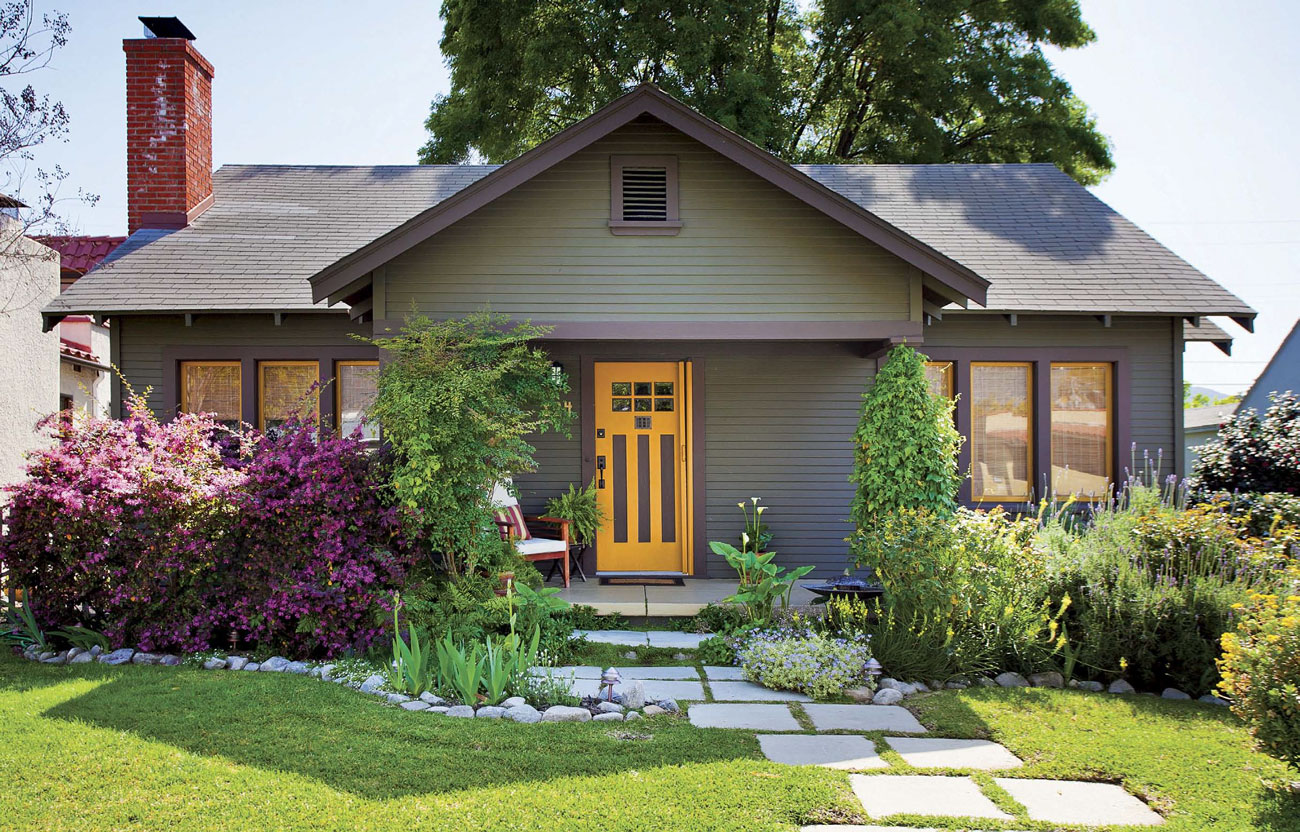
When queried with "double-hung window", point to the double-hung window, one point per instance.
{"points": [[355, 382], [1082, 429], [1001, 428], [285, 389], [213, 387]]}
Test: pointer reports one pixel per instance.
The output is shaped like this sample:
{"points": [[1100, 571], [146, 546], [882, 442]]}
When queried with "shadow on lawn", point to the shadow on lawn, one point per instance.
{"points": [[352, 742]]}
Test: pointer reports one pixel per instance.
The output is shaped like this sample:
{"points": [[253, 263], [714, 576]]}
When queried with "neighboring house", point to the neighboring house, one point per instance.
{"points": [[1201, 425], [84, 374], [719, 312], [29, 358], [1282, 373]]}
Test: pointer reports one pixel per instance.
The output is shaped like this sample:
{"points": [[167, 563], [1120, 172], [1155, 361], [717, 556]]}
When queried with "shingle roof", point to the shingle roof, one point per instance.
{"points": [[1045, 243], [1213, 415]]}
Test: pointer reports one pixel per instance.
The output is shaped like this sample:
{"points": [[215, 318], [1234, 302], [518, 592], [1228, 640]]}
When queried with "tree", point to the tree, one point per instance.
{"points": [[1191, 400], [1254, 453], [906, 445], [844, 81]]}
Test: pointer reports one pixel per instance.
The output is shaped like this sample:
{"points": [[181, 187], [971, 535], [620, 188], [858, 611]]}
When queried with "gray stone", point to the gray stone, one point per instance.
{"points": [[956, 685], [724, 674], [434, 699], [564, 713], [399, 698], [1011, 680], [73, 652], [985, 682], [57, 658], [47, 654], [1073, 684], [119, 656], [491, 712], [654, 710], [146, 658], [437, 709], [214, 664], [83, 658], [918, 794], [904, 688], [320, 671], [643, 672], [1049, 679], [414, 705], [750, 692], [680, 657], [252, 667], [608, 717], [275, 664], [631, 715], [1070, 803], [1092, 687], [674, 640], [922, 687], [512, 702], [461, 712], [524, 713], [634, 695], [743, 716], [931, 752], [236, 662], [298, 668], [632, 638], [610, 708], [1120, 686], [1174, 693], [669, 705], [888, 696], [842, 752], [1211, 699], [372, 683], [170, 660], [96, 649], [631, 654], [862, 695], [863, 718]]}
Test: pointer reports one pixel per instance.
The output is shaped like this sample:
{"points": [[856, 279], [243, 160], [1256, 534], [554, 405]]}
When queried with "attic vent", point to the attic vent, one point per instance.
{"points": [[645, 194]]}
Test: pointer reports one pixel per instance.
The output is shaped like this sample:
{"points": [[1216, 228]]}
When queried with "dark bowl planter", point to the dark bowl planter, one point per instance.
{"points": [[845, 587]]}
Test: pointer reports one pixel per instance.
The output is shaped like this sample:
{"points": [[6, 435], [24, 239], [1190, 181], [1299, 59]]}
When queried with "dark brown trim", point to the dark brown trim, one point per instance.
{"points": [[648, 100], [1040, 360], [698, 450], [912, 331]]}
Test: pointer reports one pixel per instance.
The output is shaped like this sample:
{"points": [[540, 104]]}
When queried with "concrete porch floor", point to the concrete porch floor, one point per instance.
{"points": [[654, 601]]}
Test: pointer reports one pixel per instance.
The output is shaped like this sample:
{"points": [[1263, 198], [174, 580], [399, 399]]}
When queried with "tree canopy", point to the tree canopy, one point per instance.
{"points": [[896, 81]]}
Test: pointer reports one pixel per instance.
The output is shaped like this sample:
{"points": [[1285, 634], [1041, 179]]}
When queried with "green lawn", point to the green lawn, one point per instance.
{"points": [[148, 748]]}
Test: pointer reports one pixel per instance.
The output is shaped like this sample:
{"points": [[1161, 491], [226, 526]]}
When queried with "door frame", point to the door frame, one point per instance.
{"points": [[695, 438]]}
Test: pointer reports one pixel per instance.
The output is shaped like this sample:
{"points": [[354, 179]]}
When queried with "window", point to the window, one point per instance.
{"points": [[643, 195], [213, 387], [1082, 456], [283, 389], [939, 376], [1001, 425], [356, 385]]}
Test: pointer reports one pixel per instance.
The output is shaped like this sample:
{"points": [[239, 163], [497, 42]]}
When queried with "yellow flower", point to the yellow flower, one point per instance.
{"points": [[1123, 664]]}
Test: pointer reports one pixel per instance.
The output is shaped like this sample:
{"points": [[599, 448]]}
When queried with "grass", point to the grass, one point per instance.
{"points": [[612, 655]]}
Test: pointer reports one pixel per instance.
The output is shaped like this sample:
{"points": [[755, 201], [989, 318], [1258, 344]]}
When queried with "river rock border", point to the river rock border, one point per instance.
{"points": [[891, 691]]}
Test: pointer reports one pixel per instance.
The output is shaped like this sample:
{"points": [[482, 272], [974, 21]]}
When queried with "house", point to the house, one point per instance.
{"points": [[83, 342], [718, 311], [1281, 374], [1201, 426]]}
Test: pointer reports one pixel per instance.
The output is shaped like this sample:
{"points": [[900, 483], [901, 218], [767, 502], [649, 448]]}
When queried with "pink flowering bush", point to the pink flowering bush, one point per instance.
{"points": [[181, 536]]}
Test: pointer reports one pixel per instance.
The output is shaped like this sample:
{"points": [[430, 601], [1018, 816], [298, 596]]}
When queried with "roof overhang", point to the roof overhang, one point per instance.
{"points": [[1207, 332], [651, 101]]}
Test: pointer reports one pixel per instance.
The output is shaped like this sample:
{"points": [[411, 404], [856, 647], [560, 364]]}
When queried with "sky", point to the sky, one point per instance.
{"points": [[1197, 96]]}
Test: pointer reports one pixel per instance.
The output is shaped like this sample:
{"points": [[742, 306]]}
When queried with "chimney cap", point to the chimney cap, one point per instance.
{"points": [[166, 27]]}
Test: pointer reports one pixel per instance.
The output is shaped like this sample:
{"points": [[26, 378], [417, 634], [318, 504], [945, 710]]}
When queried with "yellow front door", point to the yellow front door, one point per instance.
{"points": [[643, 466]]}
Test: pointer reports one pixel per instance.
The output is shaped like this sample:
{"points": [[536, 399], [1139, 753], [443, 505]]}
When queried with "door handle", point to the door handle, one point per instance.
{"points": [[600, 467]]}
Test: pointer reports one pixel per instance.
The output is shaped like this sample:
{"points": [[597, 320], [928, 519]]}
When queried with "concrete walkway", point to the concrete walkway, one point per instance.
{"points": [[684, 600]]}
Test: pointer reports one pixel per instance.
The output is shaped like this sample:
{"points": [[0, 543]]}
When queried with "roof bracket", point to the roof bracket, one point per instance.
{"points": [[1194, 320], [278, 317], [1013, 319], [99, 319], [189, 319], [1105, 320], [1246, 322]]}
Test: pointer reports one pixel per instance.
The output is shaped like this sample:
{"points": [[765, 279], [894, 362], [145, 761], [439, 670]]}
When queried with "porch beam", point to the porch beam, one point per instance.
{"points": [[721, 330]]}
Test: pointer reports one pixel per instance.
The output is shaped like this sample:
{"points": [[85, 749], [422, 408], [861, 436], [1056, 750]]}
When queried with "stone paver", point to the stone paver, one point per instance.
{"points": [[727, 674], [659, 673], [845, 752], [655, 689], [919, 794], [680, 641], [932, 752], [630, 638], [891, 718], [582, 672], [1079, 804], [748, 717], [750, 692]]}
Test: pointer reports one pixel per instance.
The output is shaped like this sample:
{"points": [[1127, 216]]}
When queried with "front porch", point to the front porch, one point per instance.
{"points": [[660, 601]]}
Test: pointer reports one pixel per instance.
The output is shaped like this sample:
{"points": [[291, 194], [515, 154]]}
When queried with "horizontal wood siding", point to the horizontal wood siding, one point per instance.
{"points": [[559, 458], [747, 251]]}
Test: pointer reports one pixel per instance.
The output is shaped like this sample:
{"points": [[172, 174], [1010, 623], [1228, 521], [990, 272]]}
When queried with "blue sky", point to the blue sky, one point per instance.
{"points": [[1198, 98]]}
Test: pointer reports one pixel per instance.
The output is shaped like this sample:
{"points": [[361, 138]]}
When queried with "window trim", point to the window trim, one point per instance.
{"points": [[184, 398], [262, 364], [1111, 417], [338, 388], [618, 226], [1030, 432]]}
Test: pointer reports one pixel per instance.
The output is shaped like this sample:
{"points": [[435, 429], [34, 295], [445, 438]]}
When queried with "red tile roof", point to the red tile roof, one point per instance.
{"points": [[75, 350], [81, 254]]}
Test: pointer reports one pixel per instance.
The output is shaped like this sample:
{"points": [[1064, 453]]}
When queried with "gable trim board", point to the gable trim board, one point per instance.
{"points": [[648, 100], [706, 330]]}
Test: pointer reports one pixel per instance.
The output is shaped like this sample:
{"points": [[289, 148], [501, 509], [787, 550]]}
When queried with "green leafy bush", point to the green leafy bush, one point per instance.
{"points": [[1261, 670], [801, 659], [715, 651], [584, 617], [581, 507], [906, 445], [762, 582], [1254, 453], [723, 619]]}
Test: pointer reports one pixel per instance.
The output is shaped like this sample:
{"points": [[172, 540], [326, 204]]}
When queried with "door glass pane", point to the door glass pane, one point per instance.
{"points": [[621, 388], [622, 405], [642, 405], [287, 390], [1000, 431], [1081, 429], [663, 405], [212, 388], [663, 388], [356, 393], [642, 388]]}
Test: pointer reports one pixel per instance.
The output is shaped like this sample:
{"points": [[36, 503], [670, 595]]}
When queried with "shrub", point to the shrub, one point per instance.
{"points": [[1254, 453], [800, 659], [723, 619], [715, 651], [457, 400], [906, 445], [1261, 670]]}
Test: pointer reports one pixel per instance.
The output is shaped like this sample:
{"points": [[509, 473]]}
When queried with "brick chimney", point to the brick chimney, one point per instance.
{"points": [[168, 127]]}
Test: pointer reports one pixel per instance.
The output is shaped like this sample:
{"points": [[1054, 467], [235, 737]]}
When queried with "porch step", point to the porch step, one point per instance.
{"points": [[660, 601]]}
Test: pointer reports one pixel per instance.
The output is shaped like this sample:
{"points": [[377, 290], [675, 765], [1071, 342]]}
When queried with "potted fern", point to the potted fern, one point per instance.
{"points": [[586, 518]]}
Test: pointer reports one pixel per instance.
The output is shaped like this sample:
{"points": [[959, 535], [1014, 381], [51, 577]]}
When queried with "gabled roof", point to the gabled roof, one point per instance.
{"points": [[1282, 373], [1210, 416]]}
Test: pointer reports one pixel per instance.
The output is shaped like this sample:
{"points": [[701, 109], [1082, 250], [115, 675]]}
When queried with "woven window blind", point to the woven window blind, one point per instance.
{"points": [[1081, 429], [1001, 411], [285, 390], [938, 374], [357, 388], [211, 388]]}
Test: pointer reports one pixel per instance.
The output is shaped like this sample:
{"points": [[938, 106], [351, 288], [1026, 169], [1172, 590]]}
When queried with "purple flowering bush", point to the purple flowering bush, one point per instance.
{"points": [[162, 538], [794, 657]]}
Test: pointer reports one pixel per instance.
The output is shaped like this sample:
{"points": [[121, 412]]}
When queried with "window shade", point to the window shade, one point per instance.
{"points": [[645, 193], [938, 374], [1081, 429], [357, 388], [284, 388], [1001, 411], [212, 387]]}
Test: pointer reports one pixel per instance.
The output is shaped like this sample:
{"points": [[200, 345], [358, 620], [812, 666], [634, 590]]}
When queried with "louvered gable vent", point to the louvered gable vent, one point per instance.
{"points": [[645, 194]]}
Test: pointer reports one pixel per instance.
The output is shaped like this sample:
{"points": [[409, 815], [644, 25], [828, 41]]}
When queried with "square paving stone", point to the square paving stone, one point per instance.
{"points": [[891, 718], [1079, 804], [630, 638], [750, 692], [654, 689], [748, 717], [583, 672], [727, 674], [919, 794], [932, 752], [659, 673], [811, 750], [669, 638]]}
